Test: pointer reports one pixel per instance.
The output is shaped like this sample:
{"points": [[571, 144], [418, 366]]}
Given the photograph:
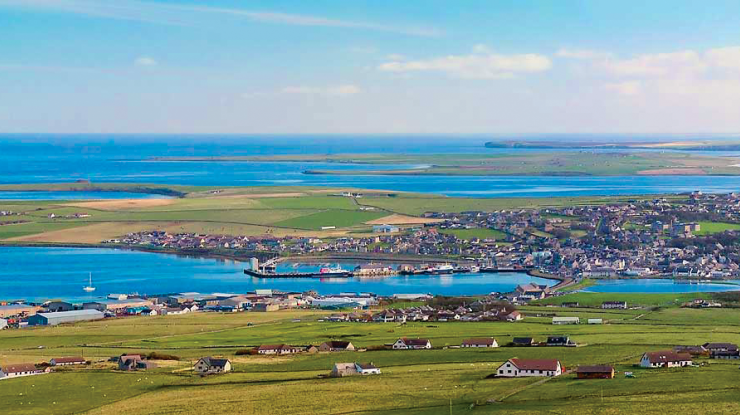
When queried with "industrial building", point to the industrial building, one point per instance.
{"points": [[52, 319], [117, 305], [11, 310]]}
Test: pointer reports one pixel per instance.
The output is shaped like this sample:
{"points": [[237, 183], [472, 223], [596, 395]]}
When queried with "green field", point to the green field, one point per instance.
{"points": [[425, 382], [480, 233], [298, 211], [708, 228]]}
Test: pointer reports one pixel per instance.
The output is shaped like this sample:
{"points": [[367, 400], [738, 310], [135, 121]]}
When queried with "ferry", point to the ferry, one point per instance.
{"points": [[334, 272], [441, 269]]}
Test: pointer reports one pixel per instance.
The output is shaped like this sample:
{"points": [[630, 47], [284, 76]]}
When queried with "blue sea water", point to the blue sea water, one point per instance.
{"points": [[62, 272], [35, 273], [656, 285], [124, 159], [44, 195]]}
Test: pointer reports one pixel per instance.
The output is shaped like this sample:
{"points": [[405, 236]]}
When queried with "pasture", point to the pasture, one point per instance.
{"points": [[426, 381]]}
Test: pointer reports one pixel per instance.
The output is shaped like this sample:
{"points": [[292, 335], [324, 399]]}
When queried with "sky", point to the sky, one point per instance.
{"points": [[370, 66]]}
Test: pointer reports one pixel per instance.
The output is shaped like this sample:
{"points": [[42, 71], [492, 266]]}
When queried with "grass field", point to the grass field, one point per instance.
{"points": [[419, 382], [480, 233], [708, 228], [247, 211]]}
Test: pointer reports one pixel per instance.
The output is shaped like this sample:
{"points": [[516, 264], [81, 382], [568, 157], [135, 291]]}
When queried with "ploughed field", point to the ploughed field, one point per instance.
{"points": [[418, 382]]}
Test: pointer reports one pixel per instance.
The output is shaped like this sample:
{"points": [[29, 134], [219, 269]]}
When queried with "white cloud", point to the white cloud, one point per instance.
{"points": [[158, 13], [582, 54], [726, 58], [684, 63], [474, 66], [145, 61], [330, 90], [625, 88]]}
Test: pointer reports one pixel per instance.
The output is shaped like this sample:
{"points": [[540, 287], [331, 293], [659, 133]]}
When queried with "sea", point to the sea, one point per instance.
{"points": [[42, 273]]}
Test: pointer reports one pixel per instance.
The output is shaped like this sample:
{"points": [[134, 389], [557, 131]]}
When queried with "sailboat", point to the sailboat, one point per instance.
{"points": [[89, 287]]}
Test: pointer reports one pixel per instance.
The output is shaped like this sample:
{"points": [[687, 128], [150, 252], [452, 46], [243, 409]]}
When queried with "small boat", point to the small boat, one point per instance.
{"points": [[89, 287]]}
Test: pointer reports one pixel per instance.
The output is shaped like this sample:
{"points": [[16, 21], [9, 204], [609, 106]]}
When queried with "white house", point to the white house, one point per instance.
{"points": [[210, 365], [595, 321], [487, 342], [405, 344], [18, 370], [67, 361], [367, 369], [665, 358], [3, 323], [566, 320], [516, 368]]}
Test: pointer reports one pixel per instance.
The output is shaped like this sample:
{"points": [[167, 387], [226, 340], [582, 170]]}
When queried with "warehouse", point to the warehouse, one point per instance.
{"points": [[52, 319]]}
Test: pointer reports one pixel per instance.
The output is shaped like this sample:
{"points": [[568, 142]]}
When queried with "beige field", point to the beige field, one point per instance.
{"points": [[397, 219], [689, 171], [92, 234], [123, 204]]}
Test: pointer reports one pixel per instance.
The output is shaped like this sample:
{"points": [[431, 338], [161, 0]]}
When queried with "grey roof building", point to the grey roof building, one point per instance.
{"points": [[52, 319]]}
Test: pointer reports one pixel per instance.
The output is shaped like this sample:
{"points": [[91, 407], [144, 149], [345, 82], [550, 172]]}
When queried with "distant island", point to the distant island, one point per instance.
{"points": [[546, 163], [585, 145]]}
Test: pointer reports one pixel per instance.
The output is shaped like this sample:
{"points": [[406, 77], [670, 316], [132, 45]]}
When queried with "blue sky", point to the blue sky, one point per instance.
{"points": [[373, 66]]}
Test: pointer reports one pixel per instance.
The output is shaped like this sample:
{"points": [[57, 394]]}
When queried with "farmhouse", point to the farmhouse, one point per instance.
{"points": [[720, 347], [67, 361], [52, 319], [134, 362], [595, 321], [621, 305], [343, 369], [528, 367], [209, 365], [367, 369], [278, 349], [18, 370], [692, 350], [336, 346], [559, 341], [350, 369], [595, 372], [411, 344], [566, 320], [522, 341], [666, 358], [487, 342]]}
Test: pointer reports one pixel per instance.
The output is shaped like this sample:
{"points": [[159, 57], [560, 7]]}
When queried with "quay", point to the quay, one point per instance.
{"points": [[256, 274]]}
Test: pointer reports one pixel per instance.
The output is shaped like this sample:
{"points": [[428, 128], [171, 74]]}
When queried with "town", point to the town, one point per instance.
{"points": [[642, 238]]}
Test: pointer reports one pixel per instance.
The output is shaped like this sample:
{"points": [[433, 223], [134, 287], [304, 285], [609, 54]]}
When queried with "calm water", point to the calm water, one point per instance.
{"points": [[116, 158], [657, 286], [43, 273], [75, 195]]}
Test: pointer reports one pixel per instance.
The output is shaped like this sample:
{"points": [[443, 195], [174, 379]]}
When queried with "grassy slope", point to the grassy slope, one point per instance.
{"points": [[424, 381]]}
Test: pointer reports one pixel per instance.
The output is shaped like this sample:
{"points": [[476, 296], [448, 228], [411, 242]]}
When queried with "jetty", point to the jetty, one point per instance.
{"points": [[257, 274]]}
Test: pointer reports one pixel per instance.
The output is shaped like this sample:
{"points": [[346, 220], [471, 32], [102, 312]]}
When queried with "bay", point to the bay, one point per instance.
{"points": [[37, 274]]}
